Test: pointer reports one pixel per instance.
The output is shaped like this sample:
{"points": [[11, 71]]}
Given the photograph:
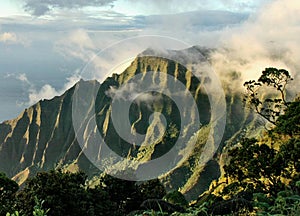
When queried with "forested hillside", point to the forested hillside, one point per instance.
{"points": [[261, 175]]}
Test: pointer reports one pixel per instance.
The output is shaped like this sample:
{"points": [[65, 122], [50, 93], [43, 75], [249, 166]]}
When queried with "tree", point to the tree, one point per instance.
{"points": [[152, 189], [289, 123], [8, 188], [271, 107], [176, 198], [255, 165], [290, 153], [63, 193], [268, 169], [124, 193], [38, 208], [99, 203], [261, 166], [129, 195]]}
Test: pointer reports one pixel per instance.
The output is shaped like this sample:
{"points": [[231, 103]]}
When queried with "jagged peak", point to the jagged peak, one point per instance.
{"points": [[83, 82], [147, 56], [150, 55], [197, 48]]}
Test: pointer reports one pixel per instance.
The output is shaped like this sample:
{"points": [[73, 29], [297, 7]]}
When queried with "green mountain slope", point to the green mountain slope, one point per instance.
{"points": [[43, 137]]}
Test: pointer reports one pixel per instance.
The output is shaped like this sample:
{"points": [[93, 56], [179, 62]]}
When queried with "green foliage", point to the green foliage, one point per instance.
{"points": [[289, 123], [277, 78], [64, 194], [38, 208], [124, 193], [129, 195], [176, 198], [272, 107], [286, 202], [290, 154], [255, 165], [16, 213], [8, 188], [271, 174], [260, 167], [58, 193], [99, 203], [200, 210], [152, 189], [261, 202], [152, 213]]}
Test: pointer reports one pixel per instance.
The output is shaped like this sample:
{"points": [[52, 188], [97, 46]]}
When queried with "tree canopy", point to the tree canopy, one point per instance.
{"points": [[268, 167], [8, 188], [268, 103]]}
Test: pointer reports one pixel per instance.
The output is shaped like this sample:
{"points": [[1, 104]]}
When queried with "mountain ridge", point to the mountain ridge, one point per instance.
{"points": [[43, 137]]}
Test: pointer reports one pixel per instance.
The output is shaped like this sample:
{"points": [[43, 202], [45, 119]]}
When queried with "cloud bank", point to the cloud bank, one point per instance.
{"points": [[8, 37], [270, 38], [246, 42], [47, 91], [178, 6], [13, 38], [39, 8]]}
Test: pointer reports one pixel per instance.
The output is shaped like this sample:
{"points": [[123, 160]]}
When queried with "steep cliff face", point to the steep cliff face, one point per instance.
{"points": [[43, 137]]}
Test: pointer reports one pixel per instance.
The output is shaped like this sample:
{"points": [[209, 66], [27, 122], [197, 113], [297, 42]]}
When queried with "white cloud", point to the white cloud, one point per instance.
{"points": [[86, 45], [178, 6], [22, 77], [77, 44], [48, 92], [269, 38], [8, 37], [13, 38], [45, 92], [203, 27], [81, 45]]}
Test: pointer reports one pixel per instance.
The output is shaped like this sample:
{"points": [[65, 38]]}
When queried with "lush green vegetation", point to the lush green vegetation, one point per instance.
{"points": [[62, 193], [7, 190], [262, 176]]}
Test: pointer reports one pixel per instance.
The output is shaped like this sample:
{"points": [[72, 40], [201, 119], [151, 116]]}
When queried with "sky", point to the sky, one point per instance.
{"points": [[45, 46]]}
